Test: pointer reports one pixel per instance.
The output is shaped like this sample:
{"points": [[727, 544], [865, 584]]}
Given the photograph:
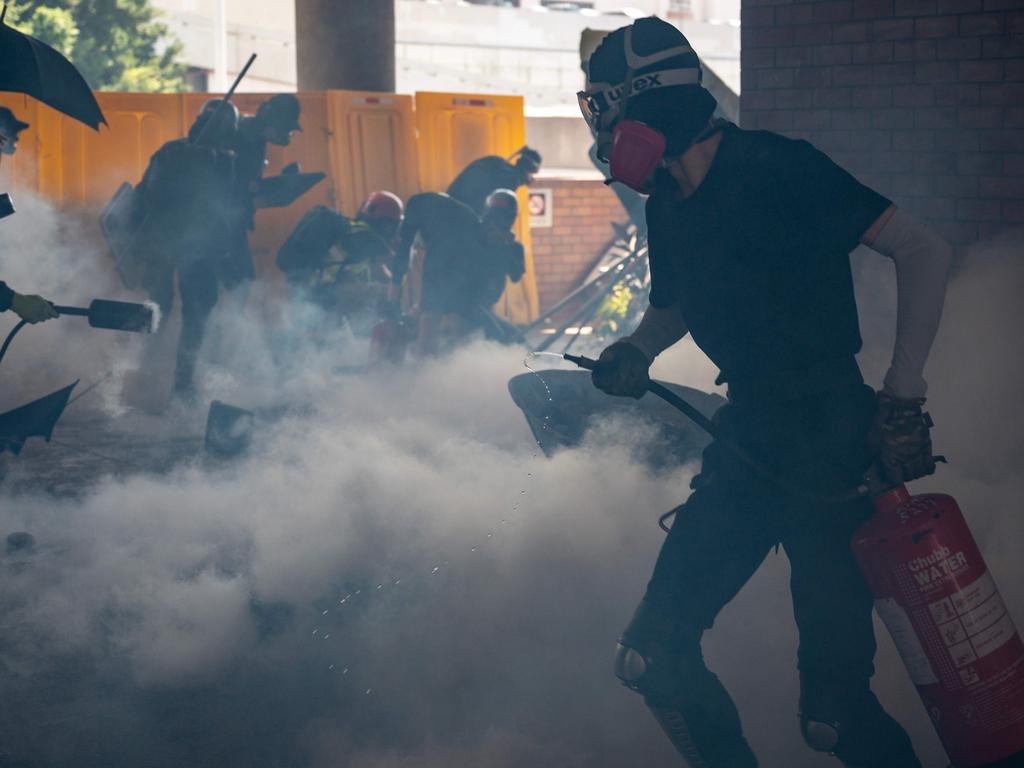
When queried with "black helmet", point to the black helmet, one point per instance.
{"points": [[10, 127], [501, 208], [649, 72], [220, 132], [281, 110], [527, 161]]}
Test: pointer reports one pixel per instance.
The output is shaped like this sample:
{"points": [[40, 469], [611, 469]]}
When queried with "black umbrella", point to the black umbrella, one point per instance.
{"points": [[36, 419], [32, 67]]}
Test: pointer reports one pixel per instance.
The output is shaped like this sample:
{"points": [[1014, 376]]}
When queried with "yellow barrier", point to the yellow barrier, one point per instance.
{"points": [[454, 130], [362, 141]]}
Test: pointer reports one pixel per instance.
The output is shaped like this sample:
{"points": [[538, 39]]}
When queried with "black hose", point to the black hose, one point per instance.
{"points": [[10, 338], [762, 471]]}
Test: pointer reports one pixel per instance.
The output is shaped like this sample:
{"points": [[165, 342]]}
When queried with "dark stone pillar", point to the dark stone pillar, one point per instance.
{"points": [[347, 45]]}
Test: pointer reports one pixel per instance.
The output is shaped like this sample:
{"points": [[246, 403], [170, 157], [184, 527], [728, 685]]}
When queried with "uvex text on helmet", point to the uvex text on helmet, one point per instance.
{"points": [[649, 72], [215, 125], [501, 208], [381, 205]]}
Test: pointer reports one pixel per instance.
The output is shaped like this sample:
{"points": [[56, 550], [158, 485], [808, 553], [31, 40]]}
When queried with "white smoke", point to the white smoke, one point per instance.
{"points": [[395, 576]]}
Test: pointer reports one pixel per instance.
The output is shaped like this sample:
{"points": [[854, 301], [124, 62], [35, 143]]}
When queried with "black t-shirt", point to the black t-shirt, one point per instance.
{"points": [[758, 256], [481, 177]]}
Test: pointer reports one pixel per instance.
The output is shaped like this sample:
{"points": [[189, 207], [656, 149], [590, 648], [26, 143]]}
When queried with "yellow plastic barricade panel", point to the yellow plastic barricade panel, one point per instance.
{"points": [[454, 130], [373, 146]]}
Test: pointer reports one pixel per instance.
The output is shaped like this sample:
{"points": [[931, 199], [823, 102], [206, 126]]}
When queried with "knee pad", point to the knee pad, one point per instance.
{"points": [[820, 736], [631, 667]]}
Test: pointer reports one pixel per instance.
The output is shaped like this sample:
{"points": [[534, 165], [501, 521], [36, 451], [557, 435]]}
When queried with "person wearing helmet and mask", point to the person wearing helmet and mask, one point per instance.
{"points": [[30, 308], [750, 234], [340, 264], [184, 205], [466, 260], [275, 121], [486, 174]]}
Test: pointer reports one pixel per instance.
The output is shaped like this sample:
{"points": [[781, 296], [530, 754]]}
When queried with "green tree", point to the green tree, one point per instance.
{"points": [[117, 45]]}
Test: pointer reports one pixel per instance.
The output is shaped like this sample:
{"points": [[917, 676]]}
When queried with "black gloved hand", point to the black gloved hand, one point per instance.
{"points": [[622, 370], [902, 439]]}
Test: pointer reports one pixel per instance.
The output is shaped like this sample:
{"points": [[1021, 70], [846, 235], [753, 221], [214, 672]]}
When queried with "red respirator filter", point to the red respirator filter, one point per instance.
{"points": [[637, 149]]}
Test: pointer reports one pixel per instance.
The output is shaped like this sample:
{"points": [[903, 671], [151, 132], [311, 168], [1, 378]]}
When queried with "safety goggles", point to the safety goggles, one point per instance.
{"points": [[602, 103]]}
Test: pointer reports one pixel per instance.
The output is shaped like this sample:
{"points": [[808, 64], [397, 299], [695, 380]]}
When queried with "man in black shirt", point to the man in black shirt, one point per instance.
{"points": [[487, 174], [749, 236]]}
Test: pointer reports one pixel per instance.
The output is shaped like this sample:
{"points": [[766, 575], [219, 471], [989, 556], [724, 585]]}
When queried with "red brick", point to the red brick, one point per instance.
{"points": [[979, 210], [1015, 23], [894, 74], [757, 100], [871, 53], [858, 120], [831, 141], [933, 162], [892, 29], [872, 9], [794, 98], [957, 232], [1013, 165], [1013, 210], [797, 13], [1015, 119], [958, 140], [791, 56], [912, 185], [913, 50], [976, 163], [935, 72], [956, 185], [960, 48], [755, 16], [880, 96], [774, 120], [813, 77], [936, 207], [833, 10], [913, 96], [980, 117], [987, 230], [827, 55], [1001, 187], [981, 71], [872, 140], [936, 26], [999, 140], [812, 34], [832, 98], [1015, 69], [1003, 47], [1002, 5], [913, 140], [759, 58], [892, 119], [914, 7], [811, 119], [958, 6], [768, 37], [856, 74], [935, 118], [775, 78], [955, 94], [850, 32], [982, 24]]}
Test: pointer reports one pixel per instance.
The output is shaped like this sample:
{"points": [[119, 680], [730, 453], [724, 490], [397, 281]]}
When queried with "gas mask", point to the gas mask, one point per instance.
{"points": [[632, 149]]}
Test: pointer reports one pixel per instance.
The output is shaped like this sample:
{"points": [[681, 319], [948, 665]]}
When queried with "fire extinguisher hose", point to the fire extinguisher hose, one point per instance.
{"points": [[762, 471]]}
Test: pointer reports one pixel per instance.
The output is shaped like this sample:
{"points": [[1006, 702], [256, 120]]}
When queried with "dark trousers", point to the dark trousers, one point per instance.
{"points": [[198, 287], [719, 538]]}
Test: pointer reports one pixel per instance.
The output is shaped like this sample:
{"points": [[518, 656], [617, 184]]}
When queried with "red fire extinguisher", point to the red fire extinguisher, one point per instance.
{"points": [[941, 606]]}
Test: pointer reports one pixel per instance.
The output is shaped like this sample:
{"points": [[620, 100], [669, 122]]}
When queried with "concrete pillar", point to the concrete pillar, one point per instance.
{"points": [[345, 44]]}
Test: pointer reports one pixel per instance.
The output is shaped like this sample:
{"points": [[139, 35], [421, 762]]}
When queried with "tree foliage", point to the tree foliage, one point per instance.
{"points": [[117, 45]]}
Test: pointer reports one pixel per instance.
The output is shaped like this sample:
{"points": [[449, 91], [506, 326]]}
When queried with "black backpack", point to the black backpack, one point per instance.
{"points": [[306, 248]]}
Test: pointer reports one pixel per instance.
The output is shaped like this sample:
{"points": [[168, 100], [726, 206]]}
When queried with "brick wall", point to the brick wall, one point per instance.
{"points": [[564, 252], [921, 99]]}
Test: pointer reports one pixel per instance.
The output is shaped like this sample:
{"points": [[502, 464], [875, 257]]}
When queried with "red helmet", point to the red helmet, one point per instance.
{"points": [[381, 205]]}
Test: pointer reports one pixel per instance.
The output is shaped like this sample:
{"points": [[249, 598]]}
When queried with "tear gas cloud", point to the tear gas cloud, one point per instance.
{"points": [[396, 576]]}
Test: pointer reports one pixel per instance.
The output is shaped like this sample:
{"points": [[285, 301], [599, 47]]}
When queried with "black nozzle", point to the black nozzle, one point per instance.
{"points": [[115, 315]]}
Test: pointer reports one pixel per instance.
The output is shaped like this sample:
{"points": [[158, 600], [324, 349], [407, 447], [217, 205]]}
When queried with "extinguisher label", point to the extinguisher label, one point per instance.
{"points": [[973, 621], [905, 638]]}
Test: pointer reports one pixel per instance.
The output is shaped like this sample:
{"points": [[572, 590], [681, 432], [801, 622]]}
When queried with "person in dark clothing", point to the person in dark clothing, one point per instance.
{"points": [[32, 309], [275, 121], [10, 127], [487, 174], [344, 265], [750, 234], [466, 260], [182, 204]]}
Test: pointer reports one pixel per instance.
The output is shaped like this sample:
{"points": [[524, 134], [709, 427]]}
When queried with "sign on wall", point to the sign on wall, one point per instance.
{"points": [[541, 203]]}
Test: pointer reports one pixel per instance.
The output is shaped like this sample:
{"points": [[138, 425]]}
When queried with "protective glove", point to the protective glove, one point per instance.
{"points": [[901, 437], [32, 309], [622, 370]]}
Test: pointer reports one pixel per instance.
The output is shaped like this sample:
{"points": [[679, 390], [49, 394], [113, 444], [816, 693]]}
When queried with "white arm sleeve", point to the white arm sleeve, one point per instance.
{"points": [[659, 329], [922, 262]]}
